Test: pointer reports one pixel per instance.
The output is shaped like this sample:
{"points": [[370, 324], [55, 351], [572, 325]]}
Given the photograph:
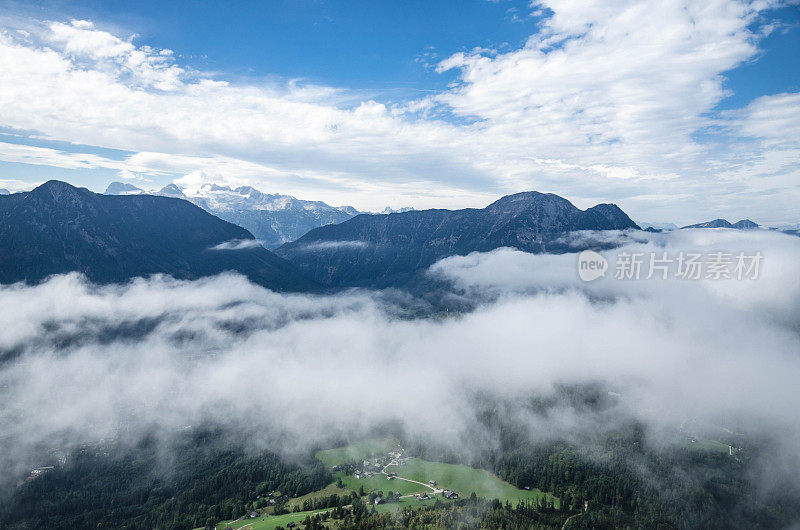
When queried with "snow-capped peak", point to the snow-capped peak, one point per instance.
{"points": [[404, 209], [273, 218]]}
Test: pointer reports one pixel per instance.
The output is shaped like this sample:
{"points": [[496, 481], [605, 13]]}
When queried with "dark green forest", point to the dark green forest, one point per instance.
{"points": [[195, 481], [205, 480], [614, 478]]}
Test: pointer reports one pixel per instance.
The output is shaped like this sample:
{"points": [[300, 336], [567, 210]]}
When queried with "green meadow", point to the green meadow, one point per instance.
{"points": [[357, 451], [462, 479], [465, 480], [268, 522]]}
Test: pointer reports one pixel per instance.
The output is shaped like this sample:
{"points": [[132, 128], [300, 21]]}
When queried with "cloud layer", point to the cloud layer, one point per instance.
{"points": [[83, 362], [609, 101]]}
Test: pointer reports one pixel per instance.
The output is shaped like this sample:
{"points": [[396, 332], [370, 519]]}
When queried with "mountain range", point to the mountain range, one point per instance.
{"points": [[660, 227], [390, 250], [273, 219], [58, 228], [744, 224], [126, 233]]}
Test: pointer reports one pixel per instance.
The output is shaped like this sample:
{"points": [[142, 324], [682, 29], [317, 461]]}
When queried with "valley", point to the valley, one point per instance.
{"points": [[399, 265], [408, 482]]}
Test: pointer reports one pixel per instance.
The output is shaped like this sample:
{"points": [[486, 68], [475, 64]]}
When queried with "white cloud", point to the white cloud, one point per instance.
{"points": [[773, 119], [45, 156], [333, 245], [294, 370], [81, 37], [603, 104], [617, 88], [145, 66], [766, 154], [15, 185], [773, 294], [237, 244]]}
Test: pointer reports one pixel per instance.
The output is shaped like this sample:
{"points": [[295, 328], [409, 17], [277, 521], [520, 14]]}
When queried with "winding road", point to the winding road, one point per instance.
{"points": [[396, 463]]}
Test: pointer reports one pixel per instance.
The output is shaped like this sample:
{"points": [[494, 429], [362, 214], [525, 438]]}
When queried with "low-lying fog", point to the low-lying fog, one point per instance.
{"points": [[83, 362]]}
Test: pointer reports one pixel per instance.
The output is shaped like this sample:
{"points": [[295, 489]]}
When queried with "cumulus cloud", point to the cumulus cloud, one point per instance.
{"points": [[111, 93], [83, 362], [143, 66], [604, 104], [616, 90]]}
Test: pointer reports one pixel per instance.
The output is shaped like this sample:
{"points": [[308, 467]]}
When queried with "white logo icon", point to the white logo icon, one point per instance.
{"points": [[591, 265]]}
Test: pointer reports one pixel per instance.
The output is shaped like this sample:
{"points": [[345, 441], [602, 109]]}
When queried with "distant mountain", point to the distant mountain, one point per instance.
{"points": [[58, 228], [404, 209], [658, 226], [716, 223], [274, 219], [744, 224], [4, 191], [390, 250], [171, 190], [122, 188]]}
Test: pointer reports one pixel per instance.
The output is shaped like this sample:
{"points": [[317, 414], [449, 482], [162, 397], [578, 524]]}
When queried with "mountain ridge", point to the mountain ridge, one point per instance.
{"points": [[390, 250], [743, 224], [273, 219], [58, 228]]}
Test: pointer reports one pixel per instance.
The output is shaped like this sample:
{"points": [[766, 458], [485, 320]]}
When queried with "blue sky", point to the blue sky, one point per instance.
{"points": [[427, 104], [775, 69], [366, 45], [380, 47]]}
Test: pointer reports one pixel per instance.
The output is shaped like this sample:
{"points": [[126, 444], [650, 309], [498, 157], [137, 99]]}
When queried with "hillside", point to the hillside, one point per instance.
{"points": [[389, 250], [58, 228], [744, 224]]}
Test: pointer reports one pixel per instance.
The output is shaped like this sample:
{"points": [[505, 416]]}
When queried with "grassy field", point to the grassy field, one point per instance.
{"points": [[462, 479], [459, 478], [327, 491], [466, 480], [374, 483], [362, 451], [407, 502], [381, 483], [358, 451], [268, 522]]}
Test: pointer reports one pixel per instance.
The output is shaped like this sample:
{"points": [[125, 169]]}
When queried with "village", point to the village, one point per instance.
{"points": [[379, 466], [381, 475]]}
